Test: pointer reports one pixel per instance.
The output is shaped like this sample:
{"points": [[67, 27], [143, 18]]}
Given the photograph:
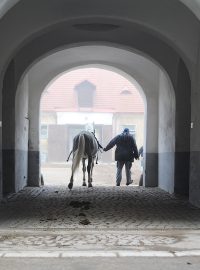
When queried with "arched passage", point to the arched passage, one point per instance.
{"points": [[153, 90], [147, 39], [65, 111]]}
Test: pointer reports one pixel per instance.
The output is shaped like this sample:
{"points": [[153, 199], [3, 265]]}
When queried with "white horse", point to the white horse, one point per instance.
{"points": [[85, 146]]}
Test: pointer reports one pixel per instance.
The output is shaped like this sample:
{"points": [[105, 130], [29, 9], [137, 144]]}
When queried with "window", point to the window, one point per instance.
{"points": [[125, 93], [44, 132], [85, 92]]}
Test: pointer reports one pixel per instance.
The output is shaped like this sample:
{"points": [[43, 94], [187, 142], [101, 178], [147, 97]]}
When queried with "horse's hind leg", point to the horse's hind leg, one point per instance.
{"points": [[70, 185], [84, 170], [89, 171]]}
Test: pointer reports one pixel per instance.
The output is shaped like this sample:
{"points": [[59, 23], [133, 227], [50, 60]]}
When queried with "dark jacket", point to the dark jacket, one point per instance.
{"points": [[126, 149]]}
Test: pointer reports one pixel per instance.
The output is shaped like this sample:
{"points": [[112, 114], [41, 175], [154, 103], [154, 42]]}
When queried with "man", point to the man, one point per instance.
{"points": [[125, 153]]}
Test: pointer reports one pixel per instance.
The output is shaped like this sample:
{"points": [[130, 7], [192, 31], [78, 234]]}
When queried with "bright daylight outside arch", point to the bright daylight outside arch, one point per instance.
{"points": [[88, 97]]}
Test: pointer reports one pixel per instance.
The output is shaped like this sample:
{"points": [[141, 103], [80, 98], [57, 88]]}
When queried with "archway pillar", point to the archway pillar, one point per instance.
{"points": [[194, 190], [34, 174], [21, 134], [8, 136], [1, 174], [166, 134], [151, 148], [182, 130]]}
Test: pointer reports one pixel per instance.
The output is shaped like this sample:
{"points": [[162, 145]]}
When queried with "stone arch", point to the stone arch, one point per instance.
{"points": [[149, 40], [106, 66], [151, 160], [34, 138]]}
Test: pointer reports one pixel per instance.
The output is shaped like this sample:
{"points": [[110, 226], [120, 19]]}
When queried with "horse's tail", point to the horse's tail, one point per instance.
{"points": [[79, 153]]}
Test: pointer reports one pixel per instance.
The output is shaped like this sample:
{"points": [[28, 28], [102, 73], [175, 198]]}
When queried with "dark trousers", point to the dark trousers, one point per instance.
{"points": [[120, 165]]}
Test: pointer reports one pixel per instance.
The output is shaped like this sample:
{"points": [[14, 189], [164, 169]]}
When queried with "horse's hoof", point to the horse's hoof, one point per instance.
{"points": [[70, 186], [84, 185], [90, 185]]}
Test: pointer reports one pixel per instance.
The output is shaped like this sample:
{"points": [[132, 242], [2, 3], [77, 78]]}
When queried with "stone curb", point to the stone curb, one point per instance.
{"points": [[93, 253]]}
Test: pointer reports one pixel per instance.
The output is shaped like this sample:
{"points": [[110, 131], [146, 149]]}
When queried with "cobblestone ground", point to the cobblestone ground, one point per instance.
{"points": [[97, 208], [101, 217]]}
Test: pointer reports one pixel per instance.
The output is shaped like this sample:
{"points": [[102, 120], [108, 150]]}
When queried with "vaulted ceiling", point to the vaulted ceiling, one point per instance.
{"points": [[193, 5]]}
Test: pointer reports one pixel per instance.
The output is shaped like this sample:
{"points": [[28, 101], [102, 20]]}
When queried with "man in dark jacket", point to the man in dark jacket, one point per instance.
{"points": [[125, 153]]}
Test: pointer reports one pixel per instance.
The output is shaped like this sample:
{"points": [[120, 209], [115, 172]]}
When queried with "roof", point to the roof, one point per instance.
{"points": [[113, 93]]}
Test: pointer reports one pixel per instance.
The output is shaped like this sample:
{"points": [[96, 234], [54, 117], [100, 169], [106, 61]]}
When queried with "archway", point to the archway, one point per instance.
{"points": [[153, 159], [92, 95], [152, 41]]}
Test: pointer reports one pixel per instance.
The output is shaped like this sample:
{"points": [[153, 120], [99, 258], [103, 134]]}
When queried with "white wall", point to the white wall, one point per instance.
{"points": [[166, 134], [21, 135], [83, 118]]}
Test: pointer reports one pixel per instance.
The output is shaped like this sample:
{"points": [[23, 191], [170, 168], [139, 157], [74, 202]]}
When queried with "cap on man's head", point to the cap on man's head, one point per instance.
{"points": [[126, 130]]}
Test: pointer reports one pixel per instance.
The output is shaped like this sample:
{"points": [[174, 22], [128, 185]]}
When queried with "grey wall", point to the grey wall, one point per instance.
{"points": [[195, 139], [5, 5], [166, 134], [194, 6], [182, 130], [8, 135]]}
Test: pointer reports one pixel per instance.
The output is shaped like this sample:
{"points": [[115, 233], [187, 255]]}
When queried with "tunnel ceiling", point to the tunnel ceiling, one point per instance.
{"points": [[154, 21], [103, 56], [193, 5], [131, 29], [5, 5]]}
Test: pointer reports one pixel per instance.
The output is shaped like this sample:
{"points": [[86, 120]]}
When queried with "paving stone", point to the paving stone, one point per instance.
{"points": [[108, 208]]}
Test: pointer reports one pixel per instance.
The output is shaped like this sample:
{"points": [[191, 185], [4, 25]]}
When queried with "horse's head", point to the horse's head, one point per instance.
{"points": [[90, 127]]}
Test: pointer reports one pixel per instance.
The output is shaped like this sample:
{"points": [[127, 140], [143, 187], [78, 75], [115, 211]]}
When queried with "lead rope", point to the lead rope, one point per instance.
{"points": [[99, 147], [97, 158]]}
